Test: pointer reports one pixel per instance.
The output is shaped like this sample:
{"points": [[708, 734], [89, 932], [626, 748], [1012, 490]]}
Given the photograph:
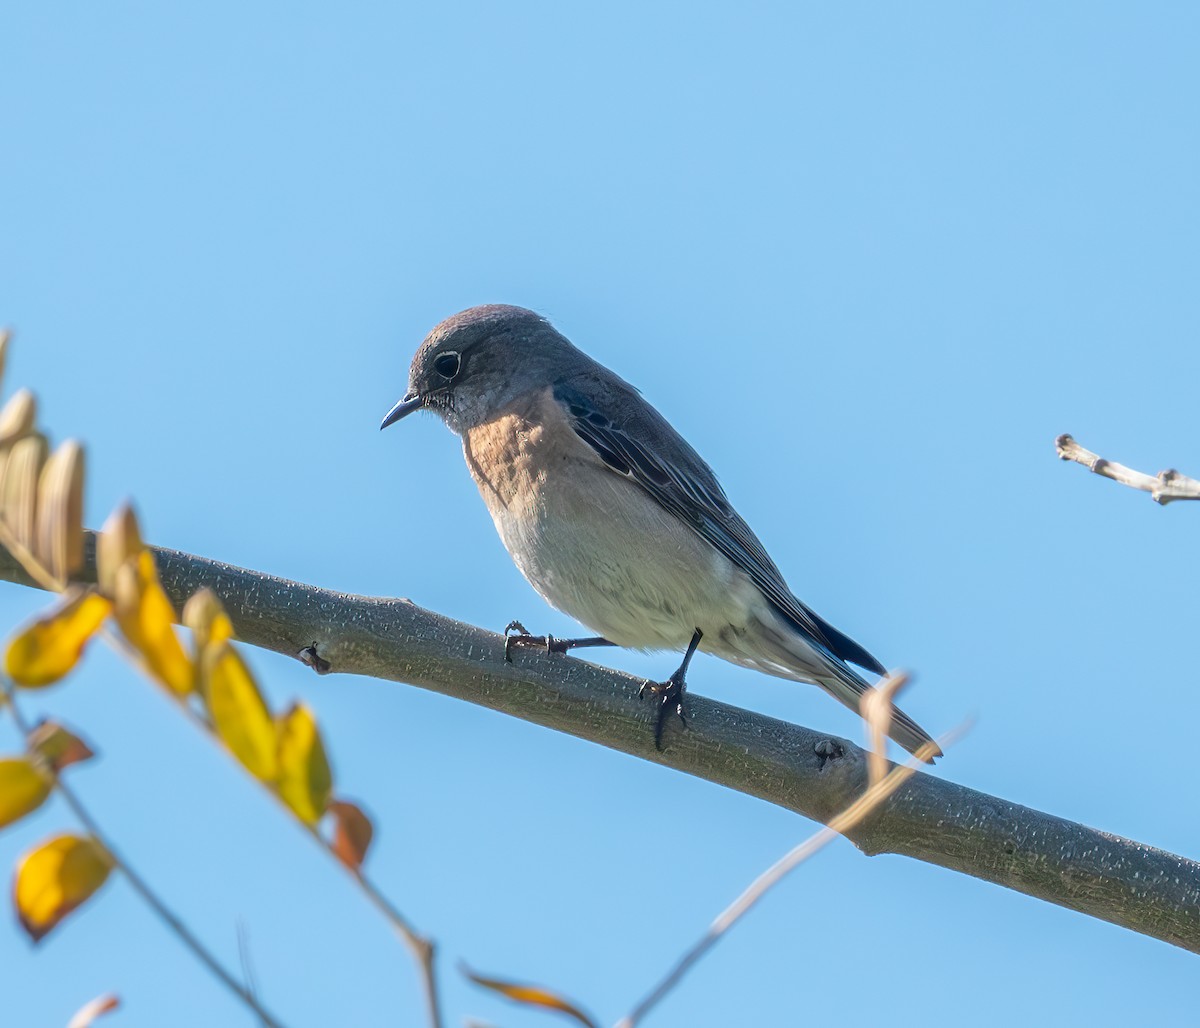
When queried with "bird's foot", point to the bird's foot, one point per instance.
{"points": [[669, 695], [311, 658], [516, 634]]}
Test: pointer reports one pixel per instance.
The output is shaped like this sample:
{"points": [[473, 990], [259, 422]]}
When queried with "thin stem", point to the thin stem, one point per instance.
{"points": [[165, 914], [421, 948], [844, 821], [1163, 488]]}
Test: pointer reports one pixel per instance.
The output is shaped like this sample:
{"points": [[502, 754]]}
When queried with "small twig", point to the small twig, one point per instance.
{"points": [[243, 942], [170, 919], [844, 821], [422, 948], [876, 706], [1163, 488]]}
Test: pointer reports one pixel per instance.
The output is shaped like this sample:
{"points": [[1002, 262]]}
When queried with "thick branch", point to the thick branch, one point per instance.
{"points": [[1142, 888], [1163, 488]]}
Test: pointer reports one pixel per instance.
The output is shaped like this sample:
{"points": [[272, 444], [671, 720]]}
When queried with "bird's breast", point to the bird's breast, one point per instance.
{"points": [[592, 542]]}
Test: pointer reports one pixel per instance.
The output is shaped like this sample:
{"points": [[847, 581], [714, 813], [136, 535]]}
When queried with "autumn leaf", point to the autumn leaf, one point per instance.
{"points": [[58, 746], [60, 512], [5, 339], [238, 711], [18, 416], [86, 1015], [305, 781], [47, 649], [147, 620], [206, 617], [23, 788], [531, 995], [352, 833], [18, 493], [55, 877], [119, 540]]}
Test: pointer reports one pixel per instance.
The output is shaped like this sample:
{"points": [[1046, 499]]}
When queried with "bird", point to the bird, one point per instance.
{"points": [[614, 518]]}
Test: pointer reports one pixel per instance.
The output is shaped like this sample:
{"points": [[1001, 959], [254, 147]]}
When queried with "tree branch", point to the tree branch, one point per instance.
{"points": [[1139, 887], [1163, 488]]}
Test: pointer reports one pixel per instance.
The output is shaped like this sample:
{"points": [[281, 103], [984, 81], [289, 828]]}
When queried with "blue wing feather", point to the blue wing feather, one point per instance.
{"points": [[685, 486]]}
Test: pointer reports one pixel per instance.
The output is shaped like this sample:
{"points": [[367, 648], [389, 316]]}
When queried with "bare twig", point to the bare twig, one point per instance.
{"points": [[164, 913], [876, 707], [1127, 883], [843, 822], [1163, 488], [422, 948]]}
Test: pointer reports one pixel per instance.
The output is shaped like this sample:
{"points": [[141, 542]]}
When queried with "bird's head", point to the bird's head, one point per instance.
{"points": [[478, 361]]}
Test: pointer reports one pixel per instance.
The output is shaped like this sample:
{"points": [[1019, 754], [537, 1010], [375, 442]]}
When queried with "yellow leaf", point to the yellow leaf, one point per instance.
{"points": [[147, 619], [305, 781], [239, 712], [54, 878], [23, 788], [531, 995], [60, 512], [352, 833], [207, 619], [47, 649], [119, 539]]}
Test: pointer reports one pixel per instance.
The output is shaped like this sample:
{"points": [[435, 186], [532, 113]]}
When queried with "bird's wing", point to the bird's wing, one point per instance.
{"points": [[675, 476]]}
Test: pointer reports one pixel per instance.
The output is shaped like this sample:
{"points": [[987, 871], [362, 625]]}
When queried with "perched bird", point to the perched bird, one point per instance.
{"points": [[612, 516]]}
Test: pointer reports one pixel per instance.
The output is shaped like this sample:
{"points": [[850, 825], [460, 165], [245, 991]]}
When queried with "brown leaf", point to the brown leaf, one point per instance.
{"points": [[55, 877], [86, 1015], [18, 494], [41, 653], [58, 746], [352, 833], [5, 339], [305, 780], [147, 620], [60, 512], [18, 416], [119, 540], [24, 787], [238, 711], [531, 995]]}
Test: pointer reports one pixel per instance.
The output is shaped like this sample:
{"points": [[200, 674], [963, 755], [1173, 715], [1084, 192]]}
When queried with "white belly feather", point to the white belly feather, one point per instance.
{"points": [[593, 544]]}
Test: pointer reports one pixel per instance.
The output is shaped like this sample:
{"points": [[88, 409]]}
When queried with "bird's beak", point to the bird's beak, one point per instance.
{"points": [[410, 403]]}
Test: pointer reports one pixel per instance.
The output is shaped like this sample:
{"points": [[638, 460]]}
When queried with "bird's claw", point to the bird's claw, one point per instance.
{"points": [[668, 693], [311, 658], [516, 634]]}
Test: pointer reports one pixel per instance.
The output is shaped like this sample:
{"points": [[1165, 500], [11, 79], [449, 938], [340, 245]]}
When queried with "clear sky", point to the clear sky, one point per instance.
{"points": [[869, 258]]}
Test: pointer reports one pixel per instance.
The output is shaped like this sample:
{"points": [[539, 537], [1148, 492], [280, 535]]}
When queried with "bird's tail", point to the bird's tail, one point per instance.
{"points": [[847, 686]]}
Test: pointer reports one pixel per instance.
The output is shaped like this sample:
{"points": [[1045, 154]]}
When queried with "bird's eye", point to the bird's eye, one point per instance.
{"points": [[447, 364]]}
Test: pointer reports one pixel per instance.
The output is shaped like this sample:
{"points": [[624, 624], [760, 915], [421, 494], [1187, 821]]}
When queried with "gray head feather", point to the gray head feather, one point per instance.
{"points": [[481, 359]]}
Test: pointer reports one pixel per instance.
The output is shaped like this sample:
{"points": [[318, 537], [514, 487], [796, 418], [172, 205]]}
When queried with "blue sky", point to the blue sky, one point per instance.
{"points": [[869, 258]]}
